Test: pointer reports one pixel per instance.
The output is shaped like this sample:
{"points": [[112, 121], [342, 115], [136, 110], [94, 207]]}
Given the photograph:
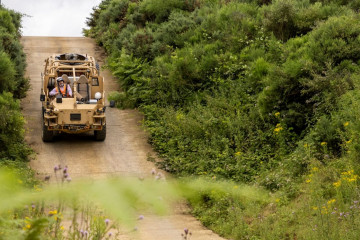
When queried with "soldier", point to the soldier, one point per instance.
{"points": [[63, 88]]}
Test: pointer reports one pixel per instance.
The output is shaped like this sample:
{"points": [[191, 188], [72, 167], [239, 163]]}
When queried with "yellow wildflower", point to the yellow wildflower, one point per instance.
{"points": [[277, 200], [238, 153], [278, 129], [324, 210], [277, 114], [53, 212], [315, 169], [36, 187], [315, 208], [306, 145], [331, 201], [347, 142], [350, 172], [28, 226], [308, 180], [323, 143], [346, 124], [352, 179], [337, 184], [62, 228]]}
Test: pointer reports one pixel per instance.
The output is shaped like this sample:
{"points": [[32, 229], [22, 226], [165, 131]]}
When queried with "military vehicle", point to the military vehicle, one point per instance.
{"points": [[84, 110]]}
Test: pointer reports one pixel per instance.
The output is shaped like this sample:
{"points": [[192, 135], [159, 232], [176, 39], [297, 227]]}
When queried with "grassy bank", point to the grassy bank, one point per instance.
{"points": [[261, 93]]}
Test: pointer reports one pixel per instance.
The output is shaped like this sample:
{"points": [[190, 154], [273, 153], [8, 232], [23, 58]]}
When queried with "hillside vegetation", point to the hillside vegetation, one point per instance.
{"points": [[255, 91], [13, 86]]}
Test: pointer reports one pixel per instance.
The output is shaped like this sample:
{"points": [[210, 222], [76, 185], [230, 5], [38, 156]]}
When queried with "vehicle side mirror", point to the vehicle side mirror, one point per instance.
{"points": [[42, 97], [112, 103]]}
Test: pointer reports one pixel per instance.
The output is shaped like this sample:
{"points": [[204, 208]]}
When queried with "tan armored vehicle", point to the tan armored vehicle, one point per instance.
{"points": [[72, 96]]}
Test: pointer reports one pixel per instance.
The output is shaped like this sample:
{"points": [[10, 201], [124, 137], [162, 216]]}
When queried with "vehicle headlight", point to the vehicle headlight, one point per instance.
{"points": [[98, 95]]}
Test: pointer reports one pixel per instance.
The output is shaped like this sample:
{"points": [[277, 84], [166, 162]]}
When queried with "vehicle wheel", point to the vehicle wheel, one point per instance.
{"points": [[47, 136], [101, 134], [112, 103]]}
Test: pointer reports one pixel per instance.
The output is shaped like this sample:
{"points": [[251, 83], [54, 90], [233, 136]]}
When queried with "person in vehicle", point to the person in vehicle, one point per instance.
{"points": [[62, 88]]}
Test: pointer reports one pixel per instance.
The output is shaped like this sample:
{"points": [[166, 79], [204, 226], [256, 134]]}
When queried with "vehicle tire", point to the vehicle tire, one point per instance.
{"points": [[47, 136], [112, 103], [101, 134]]}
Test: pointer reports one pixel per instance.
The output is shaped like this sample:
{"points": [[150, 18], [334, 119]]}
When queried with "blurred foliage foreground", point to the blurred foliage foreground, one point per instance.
{"points": [[102, 209], [262, 92], [60, 208]]}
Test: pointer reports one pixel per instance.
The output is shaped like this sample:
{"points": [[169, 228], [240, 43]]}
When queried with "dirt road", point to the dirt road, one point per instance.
{"points": [[124, 152]]}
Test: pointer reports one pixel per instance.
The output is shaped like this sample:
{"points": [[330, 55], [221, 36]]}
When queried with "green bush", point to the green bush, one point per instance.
{"points": [[290, 18], [174, 32], [335, 40], [174, 61], [279, 18], [13, 79], [259, 92], [7, 22], [12, 130], [7, 71], [158, 10], [13, 85]]}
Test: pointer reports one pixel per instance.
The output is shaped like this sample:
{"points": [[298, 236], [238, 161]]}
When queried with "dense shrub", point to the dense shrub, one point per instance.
{"points": [[183, 61], [158, 10], [11, 49], [290, 18], [253, 91], [12, 133], [7, 22], [13, 85], [7, 71]]}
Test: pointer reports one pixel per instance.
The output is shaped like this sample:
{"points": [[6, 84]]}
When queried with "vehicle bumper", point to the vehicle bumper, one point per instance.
{"points": [[75, 129]]}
